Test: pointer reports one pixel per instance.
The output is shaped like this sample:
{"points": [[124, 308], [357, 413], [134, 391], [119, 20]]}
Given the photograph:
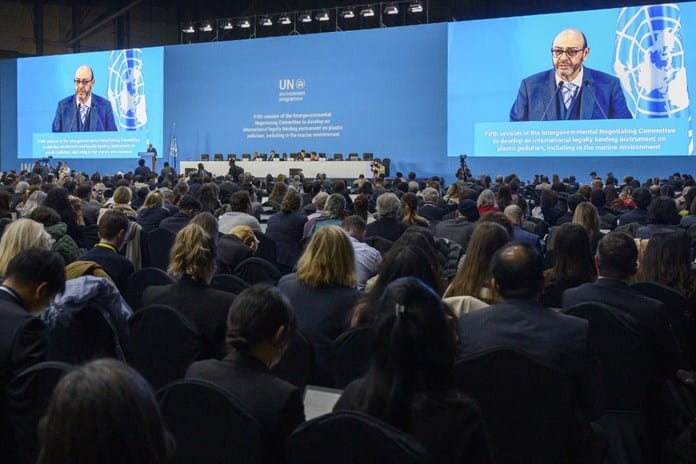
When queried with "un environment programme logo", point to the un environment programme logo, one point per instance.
{"points": [[127, 88], [649, 62], [291, 90]]}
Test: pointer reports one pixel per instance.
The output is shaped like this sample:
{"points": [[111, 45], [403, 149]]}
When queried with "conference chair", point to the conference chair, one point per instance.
{"points": [[210, 425], [297, 364], [322, 156], [267, 248], [162, 344], [351, 354], [32, 390], [155, 248], [529, 408], [386, 162], [353, 157], [626, 377], [231, 156], [381, 244], [246, 156], [338, 156], [140, 280], [228, 283], [262, 157], [348, 437], [217, 157], [368, 156], [257, 270], [205, 157]]}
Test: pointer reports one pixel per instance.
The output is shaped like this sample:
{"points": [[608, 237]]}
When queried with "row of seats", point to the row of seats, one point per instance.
{"points": [[264, 156]]}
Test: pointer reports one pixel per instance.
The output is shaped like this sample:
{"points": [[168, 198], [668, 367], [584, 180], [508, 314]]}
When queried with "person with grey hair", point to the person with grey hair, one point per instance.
{"points": [[387, 225], [514, 214], [332, 215], [430, 210]]}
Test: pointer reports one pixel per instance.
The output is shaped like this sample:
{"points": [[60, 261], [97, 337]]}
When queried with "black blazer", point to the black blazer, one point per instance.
{"points": [[117, 266], [205, 307], [286, 230], [388, 228], [275, 403]]}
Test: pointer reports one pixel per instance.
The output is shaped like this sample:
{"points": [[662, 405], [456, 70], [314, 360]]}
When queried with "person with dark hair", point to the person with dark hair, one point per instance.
{"points": [[104, 395], [113, 227], [607, 218], [547, 204], [410, 381], [286, 228], [572, 202], [189, 206], [617, 263], [260, 326], [142, 170], [70, 211], [461, 227], [663, 217], [33, 278], [238, 214], [521, 322], [63, 244], [367, 258], [84, 111]]}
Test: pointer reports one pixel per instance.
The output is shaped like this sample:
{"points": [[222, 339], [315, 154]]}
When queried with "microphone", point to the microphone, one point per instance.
{"points": [[594, 97], [553, 97]]}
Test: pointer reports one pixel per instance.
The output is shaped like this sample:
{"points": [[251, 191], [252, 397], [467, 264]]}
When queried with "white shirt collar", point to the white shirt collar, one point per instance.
{"points": [[577, 81], [87, 102]]}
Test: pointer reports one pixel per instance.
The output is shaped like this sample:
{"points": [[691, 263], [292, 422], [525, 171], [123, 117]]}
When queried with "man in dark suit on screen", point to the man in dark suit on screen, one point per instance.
{"points": [[569, 90], [84, 111]]}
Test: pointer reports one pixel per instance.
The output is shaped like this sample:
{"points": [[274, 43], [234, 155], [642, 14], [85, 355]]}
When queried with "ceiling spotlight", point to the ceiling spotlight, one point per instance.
{"points": [[305, 18], [285, 20], [416, 7], [244, 24], [205, 27], [227, 26], [265, 21], [367, 12], [188, 29], [347, 14], [322, 16], [391, 10]]}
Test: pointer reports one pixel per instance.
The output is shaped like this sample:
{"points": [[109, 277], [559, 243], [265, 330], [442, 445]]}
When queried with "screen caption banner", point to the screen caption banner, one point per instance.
{"points": [[104, 145]]}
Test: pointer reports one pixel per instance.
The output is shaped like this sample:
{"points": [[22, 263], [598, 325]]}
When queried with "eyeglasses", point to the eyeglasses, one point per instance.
{"points": [[82, 81], [571, 52]]}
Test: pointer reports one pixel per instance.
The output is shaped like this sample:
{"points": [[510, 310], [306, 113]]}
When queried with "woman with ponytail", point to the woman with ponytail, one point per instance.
{"points": [[260, 325], [410, 381]]}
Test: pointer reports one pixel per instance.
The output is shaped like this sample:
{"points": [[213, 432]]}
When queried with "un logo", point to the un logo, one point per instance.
{"points": [[650, 60], [127, 88]]}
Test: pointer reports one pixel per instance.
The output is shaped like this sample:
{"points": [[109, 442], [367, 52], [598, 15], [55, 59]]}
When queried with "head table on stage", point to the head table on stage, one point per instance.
{"points": [[310, 169]]}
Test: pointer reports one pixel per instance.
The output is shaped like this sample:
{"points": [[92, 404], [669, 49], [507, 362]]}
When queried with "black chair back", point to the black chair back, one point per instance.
{"points": [[32, 390], [267, 248], [381, 244], [140, 280], [155, 248], [351, 353], [210, 425], [680, 319], [529, 408], [83, 335], [162, 344], [228, 283], [90, 236], [348, 437], [297, 364], [257, 270]]}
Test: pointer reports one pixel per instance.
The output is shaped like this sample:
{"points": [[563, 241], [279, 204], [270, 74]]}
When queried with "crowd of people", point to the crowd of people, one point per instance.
{"points": [[439, 272]]}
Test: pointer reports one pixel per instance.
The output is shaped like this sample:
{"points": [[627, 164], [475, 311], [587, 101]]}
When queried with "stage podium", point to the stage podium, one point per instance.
{"points": [[149, 155]]}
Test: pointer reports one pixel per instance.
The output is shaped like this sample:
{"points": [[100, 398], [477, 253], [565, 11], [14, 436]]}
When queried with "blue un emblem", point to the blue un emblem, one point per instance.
{"points": [[127, 88]]}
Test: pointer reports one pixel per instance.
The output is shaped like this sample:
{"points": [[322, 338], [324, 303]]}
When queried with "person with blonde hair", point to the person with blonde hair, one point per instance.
{"points": [[322, 293], [246, 236], [21, 235], [121, 202], [152, 212], [587, 216], [192, 263]]}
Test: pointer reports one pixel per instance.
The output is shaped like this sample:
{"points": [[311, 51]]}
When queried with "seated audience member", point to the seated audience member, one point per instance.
{"points": [[121, 201], [209, 224], [208, 195], [367, 259], [474, 276], [152, 212], [410, 382], [275, 198], [617, 263], [332, 214], [21, 235], [573, 264], [239, 213], [113, 227], [607, 217], [260, 325], [36, 198], [486, 202], [63, 244], [32, 278], [245, 235], [192, 263], [70, 211], [430, 209], [663, 216], [286, 229], [514, 214], [104, 395], [316, 208], [387, 225], [399, 261], [322, 293], [586, 216], [188, 206], [409, 208], [521, 322], [572, 202], [462, 226], [689, 219], [90, 205]]}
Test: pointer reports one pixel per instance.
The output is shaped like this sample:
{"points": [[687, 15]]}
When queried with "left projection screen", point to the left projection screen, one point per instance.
{"points": [[125, 113]]}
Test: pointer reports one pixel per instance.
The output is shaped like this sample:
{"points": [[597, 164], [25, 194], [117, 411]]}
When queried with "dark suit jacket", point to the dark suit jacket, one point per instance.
{"points": [[458, 230], [275, 403], [175, 222], [431, 212], [638, 215], [286, 230], [23, 343], [99, 119], [117, 266], [557, 340], [388, 228], [604, 91], [204, 306], [646, 311]]}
